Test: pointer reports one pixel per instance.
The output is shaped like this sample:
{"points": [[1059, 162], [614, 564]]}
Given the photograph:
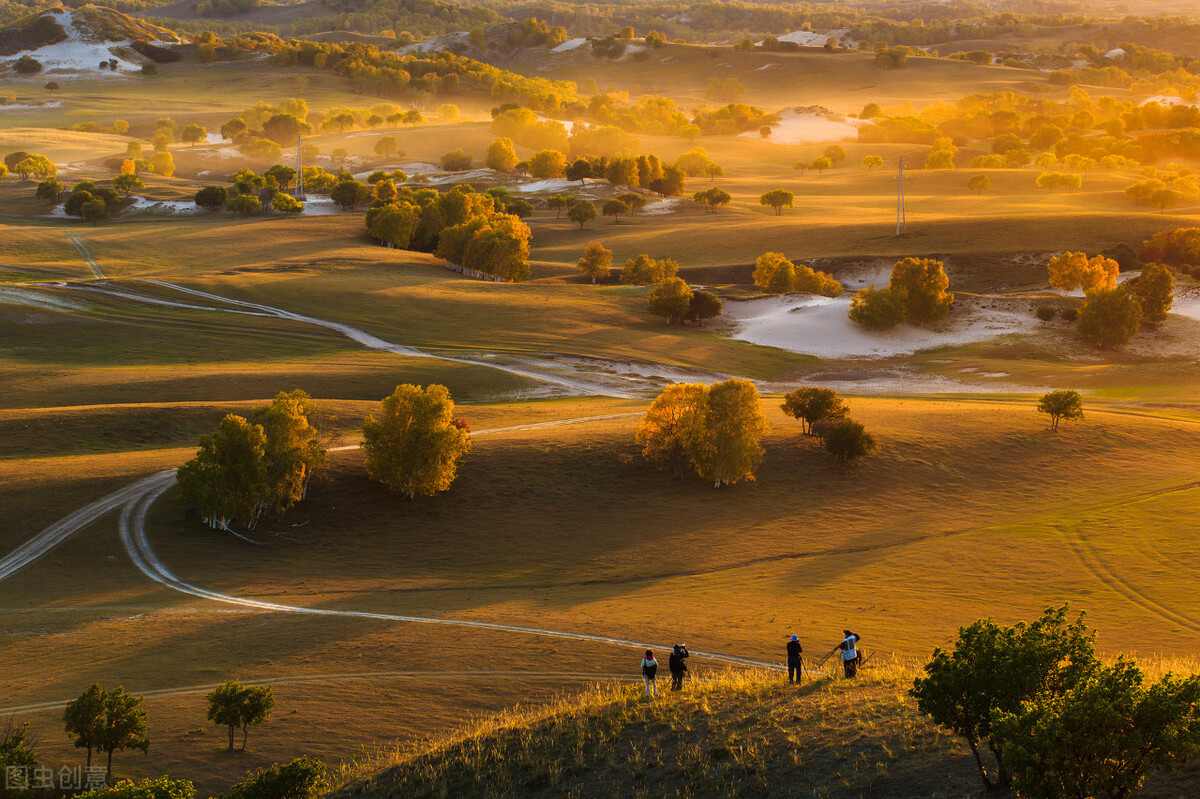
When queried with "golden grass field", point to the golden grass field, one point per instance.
{"points": [[971, 509]]}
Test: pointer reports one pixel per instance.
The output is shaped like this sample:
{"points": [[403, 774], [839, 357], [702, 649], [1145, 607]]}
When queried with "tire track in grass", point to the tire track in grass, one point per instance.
{"points": [[86, 254]]}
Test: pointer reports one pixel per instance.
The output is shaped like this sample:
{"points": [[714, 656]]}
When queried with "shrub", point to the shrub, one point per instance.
{"points": [[27, 65]]}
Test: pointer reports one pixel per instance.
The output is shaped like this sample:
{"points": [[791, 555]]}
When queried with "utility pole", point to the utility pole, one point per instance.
{"points": [[901, 219], [299, 168]]}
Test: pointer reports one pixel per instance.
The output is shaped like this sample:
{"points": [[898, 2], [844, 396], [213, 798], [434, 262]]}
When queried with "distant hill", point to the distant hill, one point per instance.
{"points": [[77, 40], [268, 15]]}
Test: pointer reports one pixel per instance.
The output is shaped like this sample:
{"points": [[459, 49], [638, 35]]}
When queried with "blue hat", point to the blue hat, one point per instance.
{"points": [[678, 647], [795, 637]]}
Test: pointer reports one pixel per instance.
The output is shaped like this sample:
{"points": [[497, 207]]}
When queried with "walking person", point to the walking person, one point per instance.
{"points": [[677, 666], [849, 647], [649, 670], [794, 651]]}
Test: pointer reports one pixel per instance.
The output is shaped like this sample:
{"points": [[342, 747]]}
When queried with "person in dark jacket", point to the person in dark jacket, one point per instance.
{"points": [[849, 647], [794, 650], [676, 663], [649, 670]]}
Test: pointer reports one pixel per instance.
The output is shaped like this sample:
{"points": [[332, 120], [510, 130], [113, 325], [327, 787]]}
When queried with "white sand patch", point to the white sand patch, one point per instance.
{"points": [[320, 205], [665, 206], [214, 138], [569, 125], [810, 126], [460, 177], [1167, 100], [436, 43], [568, 45], [819, 326], [550, 184], [75, 54], [1187, 303], [29, 106], [817, 39], [1116, 52], [419, 166], [41, 300], [163, 206]]}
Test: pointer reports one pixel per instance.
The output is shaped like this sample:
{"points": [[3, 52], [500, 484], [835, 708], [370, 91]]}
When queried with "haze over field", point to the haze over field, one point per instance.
{"points": [[382, 380]]}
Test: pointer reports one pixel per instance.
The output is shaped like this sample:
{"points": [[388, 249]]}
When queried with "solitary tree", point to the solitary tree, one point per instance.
{"points": [[872, 161], [235, 706], [415, 447], [848, 441], [835, 153], [581, 213], [821, 164], [501, 156], [127, 184], [124, 725], [919, 285], [1110, 317], [813, 404], [979, 183], [596, 261], [1061, 404], [777, 199], [193, 133], [84, 719], [385, 146], [615, 208], [672, 298]]}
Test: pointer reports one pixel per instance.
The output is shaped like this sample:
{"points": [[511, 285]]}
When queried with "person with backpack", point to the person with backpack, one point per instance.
{"points": [[850, 652], [677, 666], [649, 670], [794, 650]]}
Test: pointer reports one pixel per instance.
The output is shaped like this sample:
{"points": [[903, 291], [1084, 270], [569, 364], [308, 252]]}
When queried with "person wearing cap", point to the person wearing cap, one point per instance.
{"points": [[794, 650], [850, 652], [649, 670], [677, 666]]}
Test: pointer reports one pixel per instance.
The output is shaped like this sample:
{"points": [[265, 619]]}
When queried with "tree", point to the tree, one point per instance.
{"points": [[415, 447], [979, 183], [1061, 404], [234, 705], [872, 161], [774, 273], [704, 305], [286, 204], [1045, 312], [672, 298], [730, 448], [457, 161], [385, 190], [643, 270], [821, 164], [671, 425], [940, 159], [876, 308], [27, 65], [711, 199], [16, 752], [349, 193], [919, 286], [694, 162], [50, 189], [127, 183], [1074, 270], [385, 146], [94, 210], [848, 441], [615, 208], [715, 171], [596, 261], [283, 129], [559, 202], [395, 223], [227, 480], [124, 725], [501, 156], [1103, 736], [994, 670], [243, 204], [670, 184], [581, 213], [546, 164], [777, 199], [302, 778], [1155, 290], [812, 404], [193, 133], [163, 164], [580, 169], [159, 788], [83, 719], [835, 153], [635, 201], [1110, 316]]}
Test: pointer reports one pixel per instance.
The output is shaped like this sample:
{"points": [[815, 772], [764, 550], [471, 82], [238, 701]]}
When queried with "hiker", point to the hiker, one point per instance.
{"points": [[850, 652], [649, 669], [677, 666], [794, 650]]}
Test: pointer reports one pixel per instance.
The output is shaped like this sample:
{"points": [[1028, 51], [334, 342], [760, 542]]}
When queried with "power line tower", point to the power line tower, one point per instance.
{"points": [[300, 168], [901, 219]]}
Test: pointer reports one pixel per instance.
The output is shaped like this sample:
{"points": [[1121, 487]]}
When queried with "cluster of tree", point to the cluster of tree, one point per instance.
{"points": [[1059, 181], [1163, 189], [916, 292], [106, 721], [777, 199], [941, 156], [775, 274], [822, 413], [89, 202], [715, 431], [643, 270], [29, 165], [1179, 247], [1112, 314], [1043, 715], [678, 302], [238, 706], [464, 227], [833, 156], [251, 467], [416, 445], [711, 199]]}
